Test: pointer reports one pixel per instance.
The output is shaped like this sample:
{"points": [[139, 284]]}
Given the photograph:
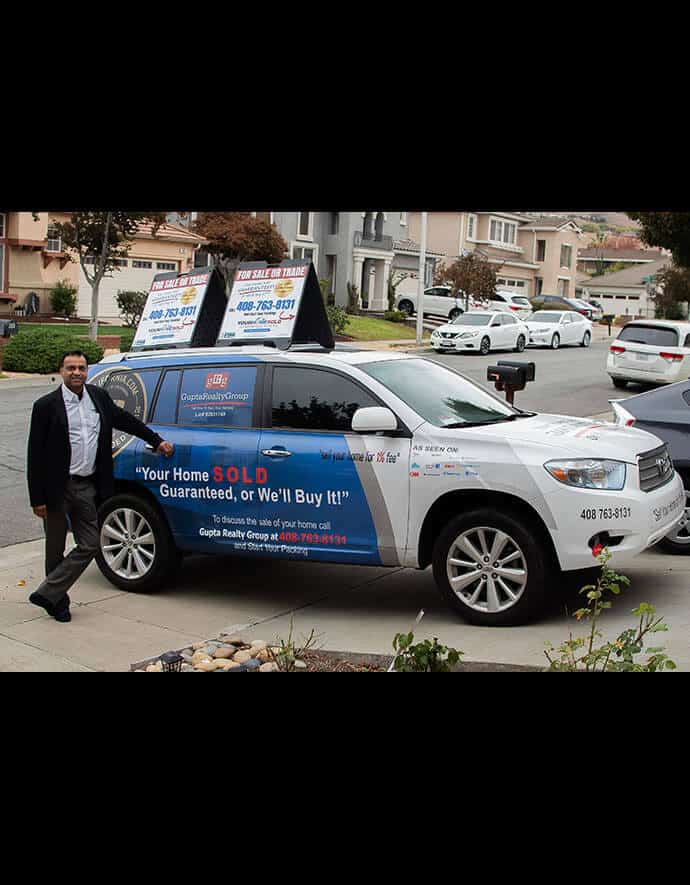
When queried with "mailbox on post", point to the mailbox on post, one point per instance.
{"points": [[510, 376]]}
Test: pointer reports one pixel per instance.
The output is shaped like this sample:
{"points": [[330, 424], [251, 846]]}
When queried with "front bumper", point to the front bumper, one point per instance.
{"points": [[633, 519]]}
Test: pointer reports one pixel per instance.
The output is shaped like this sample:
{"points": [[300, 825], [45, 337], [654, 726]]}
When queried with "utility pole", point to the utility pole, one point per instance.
{"points": [[420, 287]]}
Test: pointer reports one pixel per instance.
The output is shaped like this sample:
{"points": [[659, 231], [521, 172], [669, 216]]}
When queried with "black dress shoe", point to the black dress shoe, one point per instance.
{"points": [[37, 599], [61, 610]]}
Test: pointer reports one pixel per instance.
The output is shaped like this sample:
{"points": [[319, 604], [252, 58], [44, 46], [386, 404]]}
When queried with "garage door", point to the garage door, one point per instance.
{"points": [[133, 274]]}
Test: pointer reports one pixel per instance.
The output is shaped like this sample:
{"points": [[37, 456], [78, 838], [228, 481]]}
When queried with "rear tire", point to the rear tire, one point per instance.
{"points": [[485, 592], [620, 383], [407, 307], [485, 346], [137, 552]]}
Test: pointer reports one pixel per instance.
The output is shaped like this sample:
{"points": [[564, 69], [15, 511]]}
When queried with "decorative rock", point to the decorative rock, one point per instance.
{"points": [[207, 665], [256, 647], [252, 665], [197, 645], [187, 668], [200, 656], [226, 665], [264, 656], [187, 658], [224, 652], [155, 668], [242, 656], [233, 639], [300, 665], [268, 668]]}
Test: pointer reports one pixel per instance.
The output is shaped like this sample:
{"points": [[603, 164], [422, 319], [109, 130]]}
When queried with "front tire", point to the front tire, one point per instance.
{"points": [[454, 313], [137, 551], [620, 383], [555, 342], [520, 346], [586, 341], [485, 346], [491, 568], [407, 307]]}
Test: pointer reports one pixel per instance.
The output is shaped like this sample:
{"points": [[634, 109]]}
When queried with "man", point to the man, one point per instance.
{"points": [[70, 472]]}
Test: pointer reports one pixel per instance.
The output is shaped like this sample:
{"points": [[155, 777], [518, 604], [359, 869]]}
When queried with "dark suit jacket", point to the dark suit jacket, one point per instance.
{"points": [[50, 453]]}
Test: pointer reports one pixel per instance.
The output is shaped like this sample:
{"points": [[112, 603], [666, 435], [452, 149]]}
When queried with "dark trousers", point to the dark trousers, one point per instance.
{"points": [[62, 571]]}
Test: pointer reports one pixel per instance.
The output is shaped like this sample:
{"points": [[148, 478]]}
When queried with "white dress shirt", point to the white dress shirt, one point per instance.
{"points": [[84, 425]]}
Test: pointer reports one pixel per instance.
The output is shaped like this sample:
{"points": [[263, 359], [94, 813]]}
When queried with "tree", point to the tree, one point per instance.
{"points": [[471, 275], [598, 243], [104, 237], [671, 291], [395, 278], [235, 236], [669, 230]]}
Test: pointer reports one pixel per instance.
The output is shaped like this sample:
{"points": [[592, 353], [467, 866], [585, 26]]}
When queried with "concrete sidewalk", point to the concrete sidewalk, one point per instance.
{"points": [[357, 609]]}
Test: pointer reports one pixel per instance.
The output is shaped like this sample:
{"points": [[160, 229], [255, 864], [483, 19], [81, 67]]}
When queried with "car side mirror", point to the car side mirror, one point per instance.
{"points": [[494, 324], [374, 419]]}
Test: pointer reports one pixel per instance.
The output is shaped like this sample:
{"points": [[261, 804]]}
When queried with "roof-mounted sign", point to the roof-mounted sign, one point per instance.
{"points": [[182, 310], [276, 304]]}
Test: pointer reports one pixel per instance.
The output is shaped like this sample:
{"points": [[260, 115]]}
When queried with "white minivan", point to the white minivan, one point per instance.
{"points": [[650, 351]]}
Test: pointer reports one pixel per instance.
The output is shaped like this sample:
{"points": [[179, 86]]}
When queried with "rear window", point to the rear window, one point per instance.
{"points": [[656, 336], [520, 299]]}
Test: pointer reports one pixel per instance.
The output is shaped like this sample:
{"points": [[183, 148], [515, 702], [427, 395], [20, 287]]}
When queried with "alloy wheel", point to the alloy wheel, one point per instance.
{"points": [[486, 569], [681, 532], [128, 544]]}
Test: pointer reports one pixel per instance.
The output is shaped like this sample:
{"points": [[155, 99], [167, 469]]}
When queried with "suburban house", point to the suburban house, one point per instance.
{"points": [[624, 292], [32, 260], [535, 254], [362, 248], [597, 258]]}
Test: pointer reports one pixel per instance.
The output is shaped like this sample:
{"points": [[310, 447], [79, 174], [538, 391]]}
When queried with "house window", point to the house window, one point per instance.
{"points": [[305, 253], [517, 287], [331, 269], [122, 262], [403, 218], [53, 241], [333, 222], [502, 232], [471, 227], [166, 265], [2, 224], [142, 264], [304, 225], [566, 255], [541, 250], [538, 286], [563, 287]]}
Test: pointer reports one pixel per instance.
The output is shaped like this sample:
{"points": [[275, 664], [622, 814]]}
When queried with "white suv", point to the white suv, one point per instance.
{"points": [[371, 458], [438, 301], [650, 351]]}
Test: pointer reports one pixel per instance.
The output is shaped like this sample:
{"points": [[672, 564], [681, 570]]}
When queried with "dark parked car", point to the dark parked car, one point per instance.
{"points": [[557, 302], [665, 412]]}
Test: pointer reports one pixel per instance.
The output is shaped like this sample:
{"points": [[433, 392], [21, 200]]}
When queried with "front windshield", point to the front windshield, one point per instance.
{"points": [[441, 396], [545, 316], [472, 319]]}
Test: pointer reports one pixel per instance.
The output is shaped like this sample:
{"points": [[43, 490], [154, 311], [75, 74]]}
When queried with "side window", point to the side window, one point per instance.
{"points": [[132, 390], [686, 343], [166, 404], [509, 320], [312, 399], [221, 396]]}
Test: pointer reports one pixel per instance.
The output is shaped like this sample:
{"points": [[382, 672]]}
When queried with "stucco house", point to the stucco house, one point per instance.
{"points": [[32, 259], [625, 291], [536, 254]]}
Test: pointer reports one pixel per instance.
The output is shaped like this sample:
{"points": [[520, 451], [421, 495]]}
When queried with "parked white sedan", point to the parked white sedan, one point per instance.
{"points": [[551, 328], [481, 331]]}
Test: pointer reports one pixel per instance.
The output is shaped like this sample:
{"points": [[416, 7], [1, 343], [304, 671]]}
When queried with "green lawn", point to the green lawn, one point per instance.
{"points": [[370, 329]]}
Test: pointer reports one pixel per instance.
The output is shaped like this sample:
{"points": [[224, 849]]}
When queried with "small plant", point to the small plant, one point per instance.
{"points": [[284, 653], [422, 657], [581, 654], [126, 340], [395, 316], [337, 318], [131, 305], [63, 298], [394, 280]]}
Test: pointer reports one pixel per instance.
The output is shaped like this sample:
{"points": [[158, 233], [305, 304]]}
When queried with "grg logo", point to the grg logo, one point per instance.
{"points": [[217, 380]]}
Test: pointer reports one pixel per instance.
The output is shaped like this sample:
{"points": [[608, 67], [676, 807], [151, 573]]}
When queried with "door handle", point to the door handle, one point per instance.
{"points": [[276, 453]]}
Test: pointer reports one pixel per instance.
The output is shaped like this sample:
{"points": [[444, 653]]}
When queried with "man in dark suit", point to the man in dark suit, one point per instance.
{"points": [[70, 472]]}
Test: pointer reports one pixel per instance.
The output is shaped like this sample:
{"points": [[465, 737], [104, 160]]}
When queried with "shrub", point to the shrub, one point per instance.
{"points": [[63, 298], [423, 657], [40, 351], [395, 316], [338, 318], [131, 306]]}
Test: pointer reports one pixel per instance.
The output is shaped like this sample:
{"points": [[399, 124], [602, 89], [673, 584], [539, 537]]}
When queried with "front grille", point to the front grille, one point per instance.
{"points": [[656, 468], [449, 335]]}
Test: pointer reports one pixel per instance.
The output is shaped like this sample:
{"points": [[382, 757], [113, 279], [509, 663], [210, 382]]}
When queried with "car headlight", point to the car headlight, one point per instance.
{"points": [[469, 335], [589, 473]]}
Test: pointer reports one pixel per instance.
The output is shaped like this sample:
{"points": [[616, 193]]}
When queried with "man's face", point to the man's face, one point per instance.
{"points": [[73, 372]]}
